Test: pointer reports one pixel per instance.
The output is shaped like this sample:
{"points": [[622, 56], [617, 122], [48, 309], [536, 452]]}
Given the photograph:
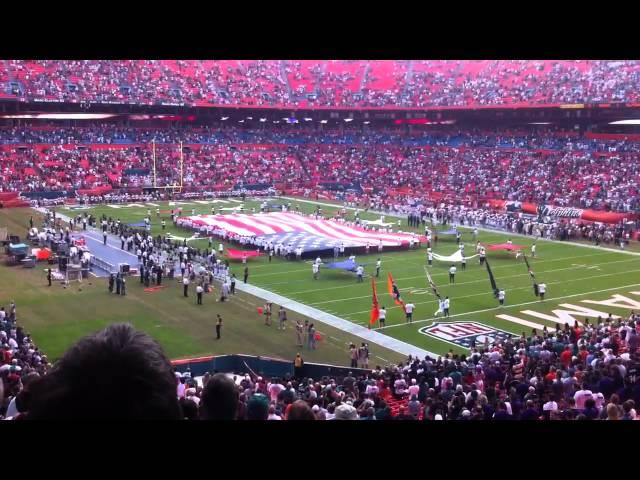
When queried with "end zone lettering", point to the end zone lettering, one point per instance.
{"points": [[464, 333]]}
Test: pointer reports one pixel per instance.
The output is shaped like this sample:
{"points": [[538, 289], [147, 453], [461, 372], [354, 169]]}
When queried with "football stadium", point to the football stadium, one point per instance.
{"points": [[320, 240]]}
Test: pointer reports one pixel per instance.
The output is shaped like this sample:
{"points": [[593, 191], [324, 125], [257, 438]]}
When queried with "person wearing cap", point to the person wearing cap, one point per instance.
{"points": [[345, 412]]}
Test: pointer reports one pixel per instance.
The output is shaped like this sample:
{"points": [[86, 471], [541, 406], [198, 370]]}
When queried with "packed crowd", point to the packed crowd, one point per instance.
{"points": [[587, 371], [342, 83], [21, 363], [107, 134], [558, 169]]}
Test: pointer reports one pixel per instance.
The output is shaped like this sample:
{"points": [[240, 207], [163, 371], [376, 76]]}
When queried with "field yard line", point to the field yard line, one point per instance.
{"points": [[510, 306], [336, 322], [487, 293], [470, 282], [443, 274], [483, 229]]}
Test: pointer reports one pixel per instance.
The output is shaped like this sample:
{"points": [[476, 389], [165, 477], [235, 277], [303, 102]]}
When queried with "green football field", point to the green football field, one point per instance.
{"points": [[582, 282]]}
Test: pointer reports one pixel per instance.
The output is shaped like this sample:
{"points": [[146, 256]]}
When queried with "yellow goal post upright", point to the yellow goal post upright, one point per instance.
{"points": [[175, 188]]}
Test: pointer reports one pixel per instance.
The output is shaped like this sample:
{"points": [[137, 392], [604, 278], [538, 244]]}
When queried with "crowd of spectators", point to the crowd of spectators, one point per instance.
{"points": [[586, 371], [21, 363], [557, 168], [325, 83]]}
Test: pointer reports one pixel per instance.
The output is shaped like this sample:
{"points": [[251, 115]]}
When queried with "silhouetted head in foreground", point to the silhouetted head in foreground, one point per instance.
{"points": [[117, 373]]}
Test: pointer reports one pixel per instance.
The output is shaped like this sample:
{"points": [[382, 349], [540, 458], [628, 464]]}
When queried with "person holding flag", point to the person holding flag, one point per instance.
{"points": [[393, 290]]}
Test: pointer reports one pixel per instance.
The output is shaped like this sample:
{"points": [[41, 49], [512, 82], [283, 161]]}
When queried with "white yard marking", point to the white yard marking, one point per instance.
{"points": [[460, 283], [525, 323], [511, 306], [152, 204], [561, 282]]}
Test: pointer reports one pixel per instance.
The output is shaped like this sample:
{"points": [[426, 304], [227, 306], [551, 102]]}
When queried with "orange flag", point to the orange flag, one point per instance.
{"points": [[375, 308], [394, 292]]}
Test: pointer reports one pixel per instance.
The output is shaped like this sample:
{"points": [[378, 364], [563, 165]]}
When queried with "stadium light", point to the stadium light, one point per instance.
{"points": [[307, 119], [249, 118], [539, 123], [348, 119], [224, 118], [626, 122], [367, 122], [263, 119], [323, 121], [276, 121], [240, 121]]}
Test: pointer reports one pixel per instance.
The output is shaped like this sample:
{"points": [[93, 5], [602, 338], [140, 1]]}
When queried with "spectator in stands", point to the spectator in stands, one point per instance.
{"points": [[219, 399]]}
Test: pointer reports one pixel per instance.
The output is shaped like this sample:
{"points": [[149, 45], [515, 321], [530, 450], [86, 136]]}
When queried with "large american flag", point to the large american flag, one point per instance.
{"points": [[306, 232]]}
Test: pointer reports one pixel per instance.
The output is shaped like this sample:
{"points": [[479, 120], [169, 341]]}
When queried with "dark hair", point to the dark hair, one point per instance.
{"points": [[117, 373], [189, 409], [219, 399], [300, 410]]}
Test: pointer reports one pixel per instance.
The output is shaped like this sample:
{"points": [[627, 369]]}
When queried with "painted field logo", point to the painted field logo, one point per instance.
{"points": [[464, 333]]}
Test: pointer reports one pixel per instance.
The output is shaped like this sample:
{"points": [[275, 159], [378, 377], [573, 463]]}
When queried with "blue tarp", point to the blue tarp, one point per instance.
{"points": [[346, 265], [139, 224]]}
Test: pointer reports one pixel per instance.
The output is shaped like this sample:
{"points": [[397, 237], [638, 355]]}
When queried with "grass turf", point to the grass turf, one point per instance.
{"points": [[572, 274]]}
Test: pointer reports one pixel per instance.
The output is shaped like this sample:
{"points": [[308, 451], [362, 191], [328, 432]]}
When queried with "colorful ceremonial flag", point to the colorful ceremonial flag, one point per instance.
{"points": [[492, 279], [394, 291], [375, 307], [533, 277], [431, 284]]}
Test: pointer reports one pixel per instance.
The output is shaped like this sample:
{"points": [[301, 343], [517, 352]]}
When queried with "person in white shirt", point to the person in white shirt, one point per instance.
{"points": [[501, 296], [429, 257], [220, 248], [446, 306], [533, 250], [581, 396], [542, 289], [440, 307], [382, 316], [408, 310], [452, 274], [352, 258], [199, 291], [378, 265], [185, 283], [318, 261], [359, 273], [315, 268]]}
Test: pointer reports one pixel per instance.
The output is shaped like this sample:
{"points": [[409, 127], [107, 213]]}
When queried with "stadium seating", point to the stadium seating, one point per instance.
{"points": [[555, 168], [335, 83]]}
